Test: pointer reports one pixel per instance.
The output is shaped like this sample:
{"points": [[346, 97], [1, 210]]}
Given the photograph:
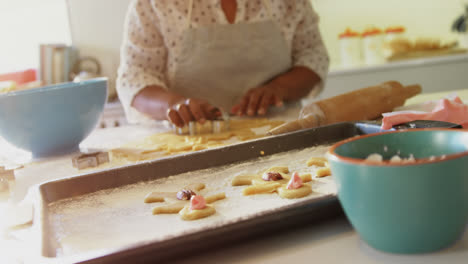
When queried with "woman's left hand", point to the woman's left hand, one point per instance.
{"points": [[257, 100]]}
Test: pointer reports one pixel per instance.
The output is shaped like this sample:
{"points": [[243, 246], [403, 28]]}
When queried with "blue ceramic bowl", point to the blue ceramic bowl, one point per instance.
{"points": [[52, 120], [407, 207]]}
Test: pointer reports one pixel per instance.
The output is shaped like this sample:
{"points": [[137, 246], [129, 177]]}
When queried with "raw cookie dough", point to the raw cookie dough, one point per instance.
{"points": [[163, 144], [280, 169], [170, 209], [249, 179], [261, 188], [215, 197], [159, 197], [303, 191], [306, 177], [260, 181], [323, 172], [258, 185], [176, 207], [240, 180], [189, 215], [322, 163], [317, 161]]}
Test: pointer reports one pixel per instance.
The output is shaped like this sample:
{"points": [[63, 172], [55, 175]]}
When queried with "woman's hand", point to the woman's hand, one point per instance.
{"points": [[192, 109], [291, 85], [161, 104], [257, 101]]}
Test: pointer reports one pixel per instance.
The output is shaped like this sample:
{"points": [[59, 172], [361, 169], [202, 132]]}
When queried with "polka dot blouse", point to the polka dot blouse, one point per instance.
{"points": [[154, 28]]}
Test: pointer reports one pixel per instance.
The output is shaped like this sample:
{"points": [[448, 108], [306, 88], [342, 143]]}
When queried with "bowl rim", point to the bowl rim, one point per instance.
{"points": [[64, 85], [363, 162]]}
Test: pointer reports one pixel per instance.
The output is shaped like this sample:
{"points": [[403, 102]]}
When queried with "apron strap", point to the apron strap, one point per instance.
{"points": [[266, 3], [189, 15]]}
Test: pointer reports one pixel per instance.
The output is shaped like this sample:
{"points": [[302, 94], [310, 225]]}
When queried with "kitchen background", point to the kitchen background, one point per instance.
{"points": [[421, 18], [94, 26]]}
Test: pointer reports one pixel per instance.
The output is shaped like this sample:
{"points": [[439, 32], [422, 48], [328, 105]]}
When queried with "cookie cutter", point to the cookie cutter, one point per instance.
{"points": [[216, 126], [7, 175], [90, 160]]}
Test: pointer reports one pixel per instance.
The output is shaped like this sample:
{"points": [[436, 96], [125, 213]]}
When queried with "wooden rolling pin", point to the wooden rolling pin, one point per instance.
{"points": [[362, 104]]}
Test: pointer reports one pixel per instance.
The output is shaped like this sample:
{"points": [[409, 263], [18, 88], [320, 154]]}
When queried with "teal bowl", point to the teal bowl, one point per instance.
{"points": [[52, 120], [412, 206]]}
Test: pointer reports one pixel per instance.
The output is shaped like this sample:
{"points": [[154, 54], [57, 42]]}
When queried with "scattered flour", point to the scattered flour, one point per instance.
{"points": [[108, 220], [375, 157]]}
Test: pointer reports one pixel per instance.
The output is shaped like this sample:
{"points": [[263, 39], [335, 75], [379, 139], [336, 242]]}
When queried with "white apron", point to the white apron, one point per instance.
{"points": [[220, 63]]}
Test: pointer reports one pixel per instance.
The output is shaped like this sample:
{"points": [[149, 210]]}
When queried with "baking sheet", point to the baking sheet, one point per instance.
{"points": [[105, 214]]}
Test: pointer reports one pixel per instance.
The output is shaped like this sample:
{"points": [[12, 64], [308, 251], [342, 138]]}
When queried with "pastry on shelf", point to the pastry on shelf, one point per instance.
{"points": [[404, 48]]}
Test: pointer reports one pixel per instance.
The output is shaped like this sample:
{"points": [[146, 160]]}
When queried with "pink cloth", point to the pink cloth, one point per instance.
{"points": [[197, 202], [448, 110], [295, 182]]}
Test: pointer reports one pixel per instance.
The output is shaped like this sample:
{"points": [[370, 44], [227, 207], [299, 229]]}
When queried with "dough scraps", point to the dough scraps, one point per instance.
{"points": [[164, 144]]}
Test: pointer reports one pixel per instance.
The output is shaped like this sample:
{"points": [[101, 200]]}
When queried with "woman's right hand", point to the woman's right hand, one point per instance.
{"points": [[191, 109], [161, 104]]}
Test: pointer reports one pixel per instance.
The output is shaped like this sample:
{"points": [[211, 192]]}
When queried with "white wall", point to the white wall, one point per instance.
{"points": [[24, 25], [97, 24], [426, 18], [96, 29]]}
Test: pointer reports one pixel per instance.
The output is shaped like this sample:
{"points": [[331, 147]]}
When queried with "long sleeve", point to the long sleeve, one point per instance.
{"points": [[308, 48], [143, 56]]}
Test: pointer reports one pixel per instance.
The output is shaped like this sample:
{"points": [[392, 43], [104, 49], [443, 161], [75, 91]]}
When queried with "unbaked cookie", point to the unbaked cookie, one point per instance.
{"points": [[189, 215], [323, 172], [159, 197], [198, 207], [270, 181], [173, 208], [241, 180], [269, 187], [286, 193], [280, 169], [176, 207], [215, 197], [322, 164], [317, 161]]}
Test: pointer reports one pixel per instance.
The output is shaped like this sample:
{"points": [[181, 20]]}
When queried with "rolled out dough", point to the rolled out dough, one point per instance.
{"points": [[164, 144]]}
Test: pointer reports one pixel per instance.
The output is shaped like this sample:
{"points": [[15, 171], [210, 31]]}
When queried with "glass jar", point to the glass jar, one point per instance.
{"points": [[373, 40], [350, 48]]}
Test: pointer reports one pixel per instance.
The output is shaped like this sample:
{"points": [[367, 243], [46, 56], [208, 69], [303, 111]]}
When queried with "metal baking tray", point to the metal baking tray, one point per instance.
{"points": [[297, 214]]}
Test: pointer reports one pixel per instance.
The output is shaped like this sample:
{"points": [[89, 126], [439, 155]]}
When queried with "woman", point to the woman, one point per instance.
{"points": [[182, 60]]}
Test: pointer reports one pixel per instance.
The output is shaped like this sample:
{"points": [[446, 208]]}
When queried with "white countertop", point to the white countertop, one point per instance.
{"points": [[332, 241]]}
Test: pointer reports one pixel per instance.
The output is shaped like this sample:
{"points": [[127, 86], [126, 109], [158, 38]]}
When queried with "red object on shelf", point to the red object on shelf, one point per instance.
{"points": [[21, 77], [396, 29], [348, 33], [371, 32]]}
